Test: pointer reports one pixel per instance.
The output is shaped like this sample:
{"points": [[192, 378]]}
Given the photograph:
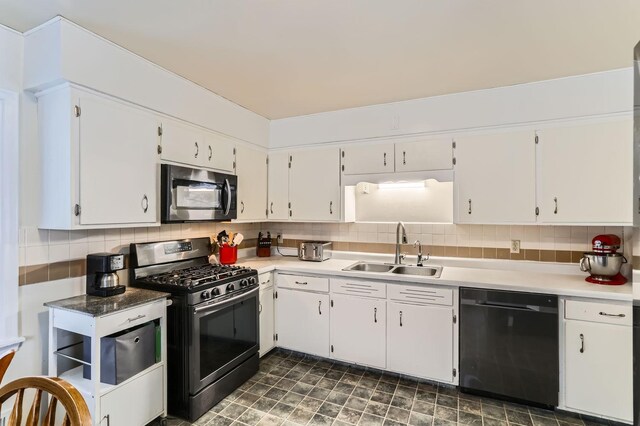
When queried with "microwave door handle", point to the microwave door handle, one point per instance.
{"points": [[227, 187]]}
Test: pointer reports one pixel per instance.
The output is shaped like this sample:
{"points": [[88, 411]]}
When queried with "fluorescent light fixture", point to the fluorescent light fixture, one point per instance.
{"points": [[401, 185]]}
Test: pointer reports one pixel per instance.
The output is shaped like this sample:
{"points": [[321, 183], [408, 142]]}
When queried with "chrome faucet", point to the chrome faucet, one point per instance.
{"points": [[399, 256], [420, 256]]}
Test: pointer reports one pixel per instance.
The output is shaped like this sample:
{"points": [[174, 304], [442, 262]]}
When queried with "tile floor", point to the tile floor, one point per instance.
{"points": [[291, 389]]}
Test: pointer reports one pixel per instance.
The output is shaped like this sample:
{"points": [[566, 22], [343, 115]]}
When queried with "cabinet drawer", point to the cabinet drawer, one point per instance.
{"points": [[358, 287], [301, 282], [421, 294], [124, 407], [265, 280], [609, 313], [131, 317]]}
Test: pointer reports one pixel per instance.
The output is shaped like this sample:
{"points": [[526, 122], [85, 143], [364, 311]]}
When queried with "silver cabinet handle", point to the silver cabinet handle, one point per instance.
{"points": [[260, 308], [302, 282], [384, 161], [271, 209], [555, 201], [330, 207], [197, 149], [136, 318], [320, 307], [604, 314], [581, 343], [265, 282], [108, 420], [210, 153], [145, 203], [469, 205], [241, 206], [400, 318], [404, 158], [375, 314], [227, 187]]}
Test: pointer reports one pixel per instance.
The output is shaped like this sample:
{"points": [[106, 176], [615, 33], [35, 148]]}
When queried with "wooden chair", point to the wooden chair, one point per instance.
{"points": [[4, 363], [76, 410]]}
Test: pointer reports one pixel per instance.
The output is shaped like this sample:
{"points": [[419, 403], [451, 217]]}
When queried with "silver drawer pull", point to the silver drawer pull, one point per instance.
{"points": [[136, 318], [604, 314], [320, 307], [400, 318], [265, 282], [375, 314], [302, 282]]}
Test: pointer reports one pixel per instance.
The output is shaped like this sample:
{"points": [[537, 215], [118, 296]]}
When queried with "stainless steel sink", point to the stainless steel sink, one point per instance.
{"points": [[369, 267], [422, 271]]}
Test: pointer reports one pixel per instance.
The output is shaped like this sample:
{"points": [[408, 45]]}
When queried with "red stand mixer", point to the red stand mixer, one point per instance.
{"points": [[604, 262]]}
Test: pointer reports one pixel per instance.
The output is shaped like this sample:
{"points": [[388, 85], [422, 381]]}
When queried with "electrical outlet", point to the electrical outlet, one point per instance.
{"points": [[515, 246], [280, 239]]}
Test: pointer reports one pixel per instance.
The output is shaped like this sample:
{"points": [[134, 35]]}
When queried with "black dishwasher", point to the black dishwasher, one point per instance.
{"points": [[509, 345]]}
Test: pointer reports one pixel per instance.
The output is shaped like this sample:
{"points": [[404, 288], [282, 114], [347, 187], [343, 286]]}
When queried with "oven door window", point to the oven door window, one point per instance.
{"points": [[225, 335], [198, 195]]}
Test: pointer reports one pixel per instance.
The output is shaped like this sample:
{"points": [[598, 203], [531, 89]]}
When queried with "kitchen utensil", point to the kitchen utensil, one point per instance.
{"points": [[264, 245], [237, 240]]}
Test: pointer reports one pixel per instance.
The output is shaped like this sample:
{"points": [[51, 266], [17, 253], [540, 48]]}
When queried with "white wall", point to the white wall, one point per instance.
{"points": [[565, 98], [63, 51], [11, 46]]}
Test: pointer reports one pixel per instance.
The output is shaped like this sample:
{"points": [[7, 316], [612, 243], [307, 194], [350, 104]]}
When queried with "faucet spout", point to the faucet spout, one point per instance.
{"points": [[401, 238]]}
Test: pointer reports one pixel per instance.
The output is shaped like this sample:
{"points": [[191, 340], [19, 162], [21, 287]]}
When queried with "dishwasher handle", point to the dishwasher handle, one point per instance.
{"points": [[515, 306]]}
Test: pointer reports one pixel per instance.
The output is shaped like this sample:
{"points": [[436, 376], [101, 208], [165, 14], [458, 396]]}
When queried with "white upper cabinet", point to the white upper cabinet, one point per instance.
{"points": [[278, 200], [365, 158], [314, 185], [220, 151], [585, 173], [424, 154], [251, 168], [100, 161], [183, 143], [495, 178]]}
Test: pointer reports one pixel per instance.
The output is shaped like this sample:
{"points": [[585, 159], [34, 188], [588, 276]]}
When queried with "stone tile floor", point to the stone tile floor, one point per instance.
{"points": [[292, 389]]}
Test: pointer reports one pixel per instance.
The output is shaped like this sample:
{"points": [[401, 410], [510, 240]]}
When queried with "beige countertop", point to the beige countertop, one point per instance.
{"points": [[561, 280]]}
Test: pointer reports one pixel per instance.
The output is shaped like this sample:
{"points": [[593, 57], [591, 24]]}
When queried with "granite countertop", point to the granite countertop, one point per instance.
{"points": [[561, 280], [96, 306]]}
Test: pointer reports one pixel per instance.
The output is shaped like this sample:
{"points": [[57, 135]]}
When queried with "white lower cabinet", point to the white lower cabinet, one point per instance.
{"points": [[267, 313], [135, 403], [302, 321], [598, 369], [420, 340], [358, 330]]}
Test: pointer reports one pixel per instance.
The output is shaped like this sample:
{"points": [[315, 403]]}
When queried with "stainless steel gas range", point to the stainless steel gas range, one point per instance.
{"points": [[213, 323]]}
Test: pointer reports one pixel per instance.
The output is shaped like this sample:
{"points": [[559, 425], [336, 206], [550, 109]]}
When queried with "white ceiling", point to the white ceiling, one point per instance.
{"points": [[282, 58]]}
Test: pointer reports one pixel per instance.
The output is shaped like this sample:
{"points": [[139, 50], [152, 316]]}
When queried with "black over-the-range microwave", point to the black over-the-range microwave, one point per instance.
{"points": [[197, 195]]}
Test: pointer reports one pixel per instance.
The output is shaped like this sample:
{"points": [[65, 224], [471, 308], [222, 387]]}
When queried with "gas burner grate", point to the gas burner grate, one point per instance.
{"points": [[197, 275]]}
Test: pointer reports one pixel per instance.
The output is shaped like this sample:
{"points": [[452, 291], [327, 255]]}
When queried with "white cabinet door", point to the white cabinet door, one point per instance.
{"points": [[358, 328], [278, 203], [267, 319], [599, 369], [421, 155], [314, 185], [251, 168], [302, 321], [134, 404], [118, 163], [220, 152], [364, 158], [183, 143], [495, 178], [585, 173], [420, 341]]}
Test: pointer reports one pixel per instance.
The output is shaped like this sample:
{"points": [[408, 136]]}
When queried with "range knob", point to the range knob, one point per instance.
{"points": [[205, 295], [253, 280], [244, 283], [215, 291], [231, 287]]}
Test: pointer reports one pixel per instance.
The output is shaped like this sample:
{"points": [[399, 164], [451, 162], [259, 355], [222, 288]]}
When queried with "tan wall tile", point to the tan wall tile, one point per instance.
{"points": [[503, 253], [517, 256], [532, 255], [547, 255], [36, 274], [489, 253], [475, 252], [563, 256], [463, 252], [451, 251], [58, 271]]}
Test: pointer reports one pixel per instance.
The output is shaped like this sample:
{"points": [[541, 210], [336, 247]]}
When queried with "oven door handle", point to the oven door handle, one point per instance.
{"points": [[210, 306], [227, 187]]}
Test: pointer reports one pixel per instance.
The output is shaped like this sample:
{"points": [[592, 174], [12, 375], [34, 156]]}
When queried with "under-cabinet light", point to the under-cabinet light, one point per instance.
{"points": [[401, 185]]}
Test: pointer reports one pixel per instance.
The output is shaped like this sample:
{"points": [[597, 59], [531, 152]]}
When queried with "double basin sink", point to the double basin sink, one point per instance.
{"points": [[421, 271]]}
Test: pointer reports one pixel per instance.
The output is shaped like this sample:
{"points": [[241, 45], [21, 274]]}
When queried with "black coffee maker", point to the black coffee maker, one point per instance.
{"points": [[102, 279]]}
